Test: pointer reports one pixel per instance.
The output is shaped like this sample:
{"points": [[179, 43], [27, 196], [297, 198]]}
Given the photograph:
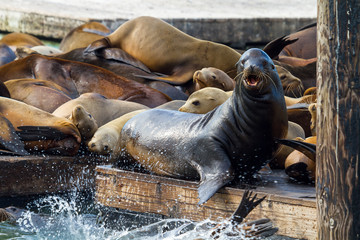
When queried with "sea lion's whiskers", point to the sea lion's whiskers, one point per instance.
{"points": [[239, 76]]}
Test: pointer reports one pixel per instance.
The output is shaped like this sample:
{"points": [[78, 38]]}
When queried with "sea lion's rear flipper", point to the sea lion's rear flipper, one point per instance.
{"points": [[214, 174], [246, 205], [308, 149], [35, 133], [9, 140], [97, 45]]}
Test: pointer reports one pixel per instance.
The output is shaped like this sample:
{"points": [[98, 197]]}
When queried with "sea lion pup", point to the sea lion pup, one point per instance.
{"points": [[83, 35], [102, 109], [204, 100], [213, 77], [165, 49], [235, 139], [80, 78], [45, 95], [41, 131]]}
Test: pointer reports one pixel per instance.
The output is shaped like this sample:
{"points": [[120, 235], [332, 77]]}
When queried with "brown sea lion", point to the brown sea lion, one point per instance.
{"points": [[165, 49], [14, 40], [204, 100], [213, 77], [102, 109], [121, 63], [300, 167], [83, 35], [42, 94], [304, 99], [218, 146], [290, 83], [299, 113], [305, 46], [78, 78], [22, 52], [312, 110], [84, 121], [41, 131]]}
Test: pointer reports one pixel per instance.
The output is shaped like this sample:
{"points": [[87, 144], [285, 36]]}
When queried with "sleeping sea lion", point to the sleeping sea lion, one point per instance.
{"points": [[16, 39], [102, 109], [41, 131], [84, 122], [167, 50], [213, 77], [42, 94], [234, 140], [78, 78]]}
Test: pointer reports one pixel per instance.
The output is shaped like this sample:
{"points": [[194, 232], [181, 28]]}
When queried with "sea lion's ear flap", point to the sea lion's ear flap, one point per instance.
{"points": [[97, 45]]}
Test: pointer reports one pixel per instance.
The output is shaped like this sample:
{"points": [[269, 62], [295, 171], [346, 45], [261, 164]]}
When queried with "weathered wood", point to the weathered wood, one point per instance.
{"points": [[294, 215], [45, 174], [338, 114]]}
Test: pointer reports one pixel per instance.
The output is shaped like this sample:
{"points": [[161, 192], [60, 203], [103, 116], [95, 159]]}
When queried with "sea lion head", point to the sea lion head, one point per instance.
{"points": [[257, 74], [213, 77], [104, 141], [84, 122], [291, 84]]}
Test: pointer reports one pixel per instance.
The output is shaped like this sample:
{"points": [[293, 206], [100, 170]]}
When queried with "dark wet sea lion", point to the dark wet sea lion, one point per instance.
{"points": [[6, 54], [42, 94], [167, 50], [78, 78], [83, 35], [234, 140], [41, 131]]}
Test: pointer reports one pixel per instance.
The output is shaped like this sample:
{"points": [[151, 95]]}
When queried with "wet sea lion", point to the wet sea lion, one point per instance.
{"points": [[235, 140], [102, 109], [41, 131], [42, 94], [213, 77], [167, 50], [204, 100], [80, 78], [83, 35]]}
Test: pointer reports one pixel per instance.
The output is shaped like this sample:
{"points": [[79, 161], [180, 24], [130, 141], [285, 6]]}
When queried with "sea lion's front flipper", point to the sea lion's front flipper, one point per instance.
{"points": [[214, 174], [308, 149], [179, 78], [9, 139], [35, 133], [97, 45]]}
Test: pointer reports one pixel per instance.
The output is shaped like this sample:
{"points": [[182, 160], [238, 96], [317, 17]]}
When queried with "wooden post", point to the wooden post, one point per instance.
{"points": [[338, 114]]}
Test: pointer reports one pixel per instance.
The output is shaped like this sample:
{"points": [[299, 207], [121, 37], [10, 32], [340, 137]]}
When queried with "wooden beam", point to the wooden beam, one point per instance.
{"points": [[338, 114], [291, 210]]}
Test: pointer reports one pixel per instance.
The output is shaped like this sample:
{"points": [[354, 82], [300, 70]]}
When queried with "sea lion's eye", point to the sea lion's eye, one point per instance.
{"points": [[242, 62], [282, 77], [213, 76], [90, 116], [272, 66], [196, 103]]}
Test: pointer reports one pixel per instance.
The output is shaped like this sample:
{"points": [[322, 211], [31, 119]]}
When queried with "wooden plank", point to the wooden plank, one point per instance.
{"points": [[295, 216], [45, 174]]}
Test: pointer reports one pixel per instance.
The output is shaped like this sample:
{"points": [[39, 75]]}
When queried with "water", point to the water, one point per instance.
{"points": [[75, 216]]}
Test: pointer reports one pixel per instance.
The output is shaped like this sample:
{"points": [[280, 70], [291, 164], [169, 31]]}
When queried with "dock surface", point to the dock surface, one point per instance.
{"points": [[233, 22]]}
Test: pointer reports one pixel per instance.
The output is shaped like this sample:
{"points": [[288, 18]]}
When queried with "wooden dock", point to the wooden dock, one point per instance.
{"points": [[37, 174], [291, 207]]}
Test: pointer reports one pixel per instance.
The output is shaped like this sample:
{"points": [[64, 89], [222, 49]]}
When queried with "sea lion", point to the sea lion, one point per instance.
{"points": [[305, 46], [102, 109], [204, 100], [289, 82], [14, 40], [304, 99], [300, 167], [9, 140], [312, 110], [22, 52], [6, 54], [106, 140], [42, 94], [213, 77], [41, 131], [83, 35], [299, 113], [235, 139], [83, 120], [78, 78], [167, 50]]}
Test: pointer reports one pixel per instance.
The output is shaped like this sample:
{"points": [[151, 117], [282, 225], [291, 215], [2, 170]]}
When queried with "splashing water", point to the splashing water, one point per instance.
{"points": [[74, 217]]}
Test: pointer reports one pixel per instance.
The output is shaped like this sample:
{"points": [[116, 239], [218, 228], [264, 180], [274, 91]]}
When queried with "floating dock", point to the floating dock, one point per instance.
{"points": [[291, 207]]}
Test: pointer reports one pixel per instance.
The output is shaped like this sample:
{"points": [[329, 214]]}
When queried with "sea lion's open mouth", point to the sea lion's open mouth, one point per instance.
{"points": [[252, 80]]}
